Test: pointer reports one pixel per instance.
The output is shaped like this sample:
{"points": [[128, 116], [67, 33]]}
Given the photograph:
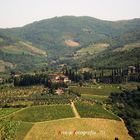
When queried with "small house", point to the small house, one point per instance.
{"points": [[59, 91], [131, 70], [59, 78]]}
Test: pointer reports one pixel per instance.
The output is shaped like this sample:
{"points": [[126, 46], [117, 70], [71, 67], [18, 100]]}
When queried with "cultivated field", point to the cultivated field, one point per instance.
{"points": [[22, 130], [7, 111], [100, 90], [88, 110], [78, 129], [33, 49], [93, 49], [58, 121], [95, 97], [22, 47], [43, 113], [20, 91]]}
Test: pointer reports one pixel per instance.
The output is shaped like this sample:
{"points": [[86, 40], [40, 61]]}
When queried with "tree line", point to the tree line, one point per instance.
{"points": [[111, 75]]}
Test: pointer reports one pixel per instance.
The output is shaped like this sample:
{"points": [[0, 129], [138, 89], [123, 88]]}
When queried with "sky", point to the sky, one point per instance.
{"points": [[16, 13]]}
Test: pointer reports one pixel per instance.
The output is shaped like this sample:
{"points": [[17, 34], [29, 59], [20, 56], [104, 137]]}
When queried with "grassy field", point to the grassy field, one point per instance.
{"points": [[7, 111], [93, 49], [87, 110], [32, 49], [95, 97], [23, 48], [130, 85], [22, 130], [43, 113], [100, 90], [14, 50], [85, 129]]}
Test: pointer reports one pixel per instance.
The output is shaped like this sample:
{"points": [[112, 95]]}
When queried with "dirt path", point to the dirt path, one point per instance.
{"points": [[75, 110]]}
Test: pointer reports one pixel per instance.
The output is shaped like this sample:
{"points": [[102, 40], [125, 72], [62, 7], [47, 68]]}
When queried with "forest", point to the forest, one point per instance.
{"points": [[127, 106]]}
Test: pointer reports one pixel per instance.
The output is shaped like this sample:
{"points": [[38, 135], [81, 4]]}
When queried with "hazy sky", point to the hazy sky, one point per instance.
{"points": [[14, 13]]}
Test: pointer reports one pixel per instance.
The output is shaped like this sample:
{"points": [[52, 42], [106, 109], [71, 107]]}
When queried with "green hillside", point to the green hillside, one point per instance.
{"points": [[115, 58], [58, 37], [53, 32], [19, 55]]}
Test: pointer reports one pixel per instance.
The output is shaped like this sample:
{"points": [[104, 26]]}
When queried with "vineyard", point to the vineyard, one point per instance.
{"points": [[101, 99], [100, 90], [69, 77], [8, 129], [88, 110], [22, 130], [43, 113], [19, 97], [7, 111], [24, 109], [10, 91]]}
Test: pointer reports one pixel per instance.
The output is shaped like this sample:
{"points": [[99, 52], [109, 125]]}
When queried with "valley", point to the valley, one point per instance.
{"points": [[69, 78]]}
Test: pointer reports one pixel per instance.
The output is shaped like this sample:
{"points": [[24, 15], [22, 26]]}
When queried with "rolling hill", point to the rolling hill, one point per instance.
{"points": [[20, 55], [68, 35]]}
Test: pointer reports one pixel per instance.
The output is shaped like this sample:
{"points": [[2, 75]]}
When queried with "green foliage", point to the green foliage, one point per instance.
{"points": [[21, 60], [6, 39], [88, 110], [22, 130], [115, 59], [127, 106], [7, 111], [12, 98], [100, 99], [50, 35], [29, 80], [44, 113], [8, 129], [82, 29], [49, 98], [101, 90]]}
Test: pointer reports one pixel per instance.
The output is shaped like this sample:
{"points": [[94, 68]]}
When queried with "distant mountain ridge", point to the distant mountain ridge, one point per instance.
{"points": [[55, 30], [51, 35]]}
